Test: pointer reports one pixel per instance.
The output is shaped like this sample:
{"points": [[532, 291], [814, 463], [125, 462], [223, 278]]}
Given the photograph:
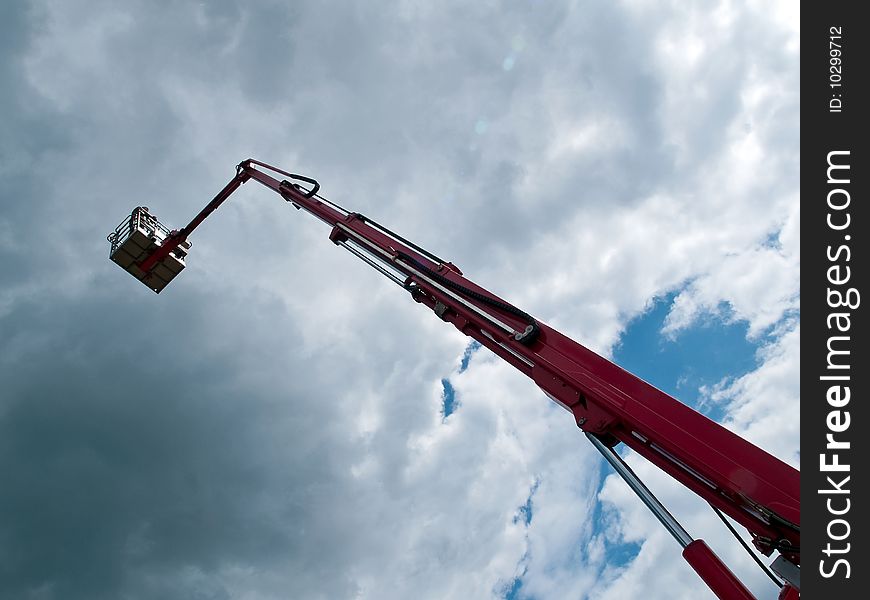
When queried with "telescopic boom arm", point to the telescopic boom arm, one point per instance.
{"points": [[609, 404]]}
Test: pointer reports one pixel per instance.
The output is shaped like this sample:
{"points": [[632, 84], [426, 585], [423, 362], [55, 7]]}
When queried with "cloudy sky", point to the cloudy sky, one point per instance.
{"points": [[280, 422]]}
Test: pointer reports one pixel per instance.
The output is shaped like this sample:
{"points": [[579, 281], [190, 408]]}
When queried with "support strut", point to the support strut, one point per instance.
{"points": [[697, 553]]}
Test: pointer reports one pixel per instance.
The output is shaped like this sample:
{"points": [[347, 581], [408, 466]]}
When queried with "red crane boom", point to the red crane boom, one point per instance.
{"points": [[610, 405]]}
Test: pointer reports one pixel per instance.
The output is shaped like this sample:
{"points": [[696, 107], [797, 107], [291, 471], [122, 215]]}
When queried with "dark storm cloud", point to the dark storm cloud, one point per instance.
{"points": [[126, 449], [27, 133], [129, 448], [142, 442]]}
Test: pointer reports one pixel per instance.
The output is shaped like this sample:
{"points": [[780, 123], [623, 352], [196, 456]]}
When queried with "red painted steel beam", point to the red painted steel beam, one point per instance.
{"points": [[734, 475], [715, 574]]}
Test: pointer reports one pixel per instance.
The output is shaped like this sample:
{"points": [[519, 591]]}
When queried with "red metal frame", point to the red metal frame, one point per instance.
{"points": [[754, 488]]}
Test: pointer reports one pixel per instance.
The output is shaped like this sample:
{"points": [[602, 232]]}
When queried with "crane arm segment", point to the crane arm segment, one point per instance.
{"points": [[754, 488]]}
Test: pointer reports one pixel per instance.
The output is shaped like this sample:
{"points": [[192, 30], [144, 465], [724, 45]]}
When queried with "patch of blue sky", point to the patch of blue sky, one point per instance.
{"points": [[524, 512], [472, 347], [448, 399], [619, 553], [513, 591], [713, 349], [622, 553], [772, 241]]}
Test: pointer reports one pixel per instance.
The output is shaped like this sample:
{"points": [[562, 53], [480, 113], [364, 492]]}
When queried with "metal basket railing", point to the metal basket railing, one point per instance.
{"points": [[140, 218]]}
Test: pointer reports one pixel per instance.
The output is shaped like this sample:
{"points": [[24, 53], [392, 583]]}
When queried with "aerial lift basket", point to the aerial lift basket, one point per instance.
{"points": [[136, 238]]}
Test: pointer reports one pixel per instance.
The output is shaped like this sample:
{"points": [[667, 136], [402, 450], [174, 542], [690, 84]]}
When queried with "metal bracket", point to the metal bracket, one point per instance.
{"points": [[440, 310], [788, 571]]}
